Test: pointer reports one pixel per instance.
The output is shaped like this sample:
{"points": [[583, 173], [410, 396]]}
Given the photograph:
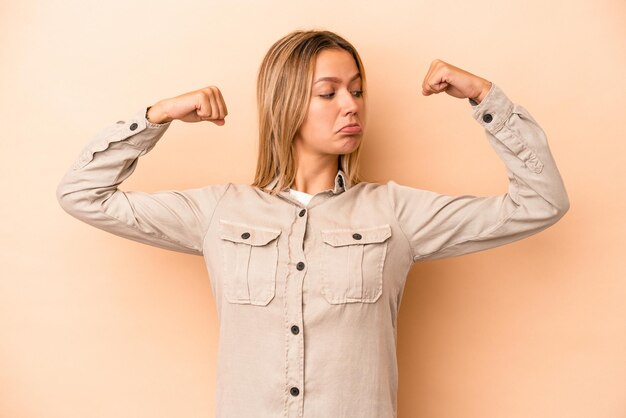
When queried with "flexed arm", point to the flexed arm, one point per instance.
{"points": [[175, 220], [439, 226]]}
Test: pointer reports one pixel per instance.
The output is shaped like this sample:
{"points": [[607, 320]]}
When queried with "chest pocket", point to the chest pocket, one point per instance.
{"points": [[249, 262], [353, 262]]}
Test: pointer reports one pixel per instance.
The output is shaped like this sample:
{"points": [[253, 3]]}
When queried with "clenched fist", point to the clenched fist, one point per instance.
{"points": [[196, 106], [456, 82]]}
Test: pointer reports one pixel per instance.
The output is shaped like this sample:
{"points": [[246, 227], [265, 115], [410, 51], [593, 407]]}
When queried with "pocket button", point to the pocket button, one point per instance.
{"points": [[245, 235], [357, 236]]}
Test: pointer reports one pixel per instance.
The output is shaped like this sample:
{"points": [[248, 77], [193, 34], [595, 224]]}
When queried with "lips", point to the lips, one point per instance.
{"points": [[351, 128]]}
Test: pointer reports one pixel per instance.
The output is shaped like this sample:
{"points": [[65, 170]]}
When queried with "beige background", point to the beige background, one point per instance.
{"points": [[92, 325]]}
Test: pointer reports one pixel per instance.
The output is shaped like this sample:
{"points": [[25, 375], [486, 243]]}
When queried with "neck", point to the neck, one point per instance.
{"points": [[315, 174]]}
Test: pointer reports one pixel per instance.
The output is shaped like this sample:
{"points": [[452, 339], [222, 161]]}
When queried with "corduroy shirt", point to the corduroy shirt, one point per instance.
{"points": [[308, 295]]}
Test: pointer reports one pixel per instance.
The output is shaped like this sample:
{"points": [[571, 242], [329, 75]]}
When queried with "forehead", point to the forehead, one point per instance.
{"points": [[337, 63]]}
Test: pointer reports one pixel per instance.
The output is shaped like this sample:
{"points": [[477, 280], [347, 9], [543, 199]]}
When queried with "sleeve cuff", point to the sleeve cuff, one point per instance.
{"points": [[493, 113], [137, 131], [494, 110]]}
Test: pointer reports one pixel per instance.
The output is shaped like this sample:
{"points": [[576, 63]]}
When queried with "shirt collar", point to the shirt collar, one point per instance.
{"points": [[341, 183]]}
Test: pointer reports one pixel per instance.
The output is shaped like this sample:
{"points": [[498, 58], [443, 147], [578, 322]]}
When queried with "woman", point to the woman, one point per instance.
{"points": [[308, 263]]}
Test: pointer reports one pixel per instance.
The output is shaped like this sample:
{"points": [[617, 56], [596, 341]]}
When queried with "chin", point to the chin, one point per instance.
{"points": [[351, 144]]}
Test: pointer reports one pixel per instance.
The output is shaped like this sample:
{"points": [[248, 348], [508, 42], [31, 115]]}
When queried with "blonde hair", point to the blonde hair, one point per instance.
{"points": [[283, 92]]}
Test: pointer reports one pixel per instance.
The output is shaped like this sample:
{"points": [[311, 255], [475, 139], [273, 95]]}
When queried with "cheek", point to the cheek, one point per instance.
{"points": [[320, 113], [319, 123]]}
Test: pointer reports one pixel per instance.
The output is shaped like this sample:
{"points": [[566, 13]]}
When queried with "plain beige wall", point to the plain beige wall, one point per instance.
{"points": [[92, 325]]}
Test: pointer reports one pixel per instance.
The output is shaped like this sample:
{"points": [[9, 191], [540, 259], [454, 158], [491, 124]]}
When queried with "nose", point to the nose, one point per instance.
{"points": [[350, 104]]}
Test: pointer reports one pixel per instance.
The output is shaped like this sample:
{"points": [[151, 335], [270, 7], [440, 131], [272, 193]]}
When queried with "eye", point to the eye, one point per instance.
{"points": [[358, 93], [327, 96]]}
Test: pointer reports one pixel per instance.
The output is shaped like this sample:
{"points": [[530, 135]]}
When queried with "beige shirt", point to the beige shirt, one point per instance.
{"points": [[308, 296]]}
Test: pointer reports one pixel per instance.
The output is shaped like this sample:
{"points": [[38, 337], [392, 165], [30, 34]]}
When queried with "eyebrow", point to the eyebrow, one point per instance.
{"points": [[335, 79]]}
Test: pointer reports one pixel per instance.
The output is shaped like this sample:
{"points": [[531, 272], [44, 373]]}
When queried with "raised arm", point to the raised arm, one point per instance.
{"points": [[439, 226], [174, 220]]}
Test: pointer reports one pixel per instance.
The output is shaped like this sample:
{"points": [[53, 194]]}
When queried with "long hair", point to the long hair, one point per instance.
{"points": [[283, 92]]}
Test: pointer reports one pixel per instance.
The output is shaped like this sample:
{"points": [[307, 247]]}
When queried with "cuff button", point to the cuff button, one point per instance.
{"points": [[133, 126], [487, 117]]}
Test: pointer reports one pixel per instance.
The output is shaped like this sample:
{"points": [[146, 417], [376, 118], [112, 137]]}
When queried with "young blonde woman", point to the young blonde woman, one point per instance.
{"points": [[308, 263]]}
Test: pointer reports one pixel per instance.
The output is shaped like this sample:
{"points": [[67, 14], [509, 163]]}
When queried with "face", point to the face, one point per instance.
{"points": [[336, 101]]}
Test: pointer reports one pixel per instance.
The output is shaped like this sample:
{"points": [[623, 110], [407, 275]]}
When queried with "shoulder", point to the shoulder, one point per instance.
{"points": [[369, 190], [382, 187], [245, 192], [393, 192]]}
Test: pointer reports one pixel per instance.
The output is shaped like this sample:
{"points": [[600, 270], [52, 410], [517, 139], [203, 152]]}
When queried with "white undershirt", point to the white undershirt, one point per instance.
{"points": [[304, 198]]}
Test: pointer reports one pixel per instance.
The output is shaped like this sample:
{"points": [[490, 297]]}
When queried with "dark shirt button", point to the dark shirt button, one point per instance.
{"points": [[300, 266], [295, 330], [356, 236], [133, 126], [302, 212], [294, 391], [245, 235], [487, 117]]}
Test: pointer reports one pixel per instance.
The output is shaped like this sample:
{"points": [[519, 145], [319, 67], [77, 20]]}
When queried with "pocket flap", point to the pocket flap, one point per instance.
{"points": [[247, 234], [356, 236]]}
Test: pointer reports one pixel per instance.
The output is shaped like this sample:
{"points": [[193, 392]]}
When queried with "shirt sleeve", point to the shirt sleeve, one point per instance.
{"points": [[174, 220], [439, 226]]}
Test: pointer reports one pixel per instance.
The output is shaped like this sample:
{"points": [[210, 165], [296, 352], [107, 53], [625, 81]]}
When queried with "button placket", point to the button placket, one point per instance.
{"points": [[293, 312]]}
